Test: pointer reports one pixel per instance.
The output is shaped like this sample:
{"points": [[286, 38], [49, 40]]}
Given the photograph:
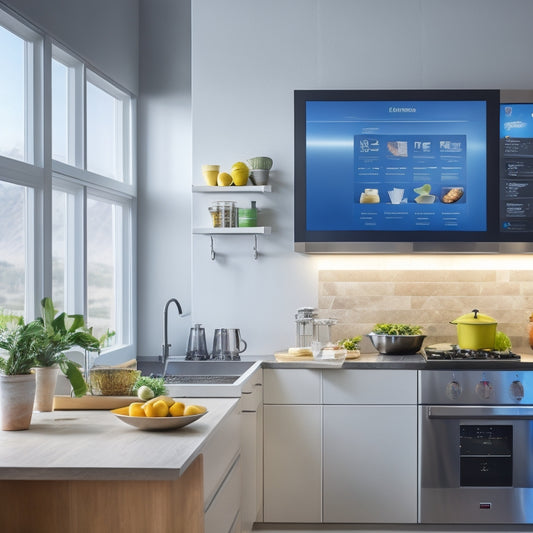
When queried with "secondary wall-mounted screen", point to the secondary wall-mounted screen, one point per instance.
{"points": [[516, 168], [397, 170]]}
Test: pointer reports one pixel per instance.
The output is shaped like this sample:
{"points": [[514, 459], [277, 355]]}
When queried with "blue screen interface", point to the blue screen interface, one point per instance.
{"points": [[396, 166], [516, 168]]}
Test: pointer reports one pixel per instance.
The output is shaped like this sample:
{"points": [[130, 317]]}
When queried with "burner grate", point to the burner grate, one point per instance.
{"points": [[456, 353]]}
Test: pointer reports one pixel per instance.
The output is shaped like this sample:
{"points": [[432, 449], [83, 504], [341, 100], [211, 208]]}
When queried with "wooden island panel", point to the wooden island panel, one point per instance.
{"points": [[107, 506]]}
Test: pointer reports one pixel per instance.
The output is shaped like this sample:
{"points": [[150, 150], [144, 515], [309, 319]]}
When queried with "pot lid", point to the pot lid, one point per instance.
{"points": [[474, 318]]}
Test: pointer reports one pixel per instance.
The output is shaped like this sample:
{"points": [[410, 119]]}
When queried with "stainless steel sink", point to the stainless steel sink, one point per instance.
{"points": [[201, 378], [207, 368]]}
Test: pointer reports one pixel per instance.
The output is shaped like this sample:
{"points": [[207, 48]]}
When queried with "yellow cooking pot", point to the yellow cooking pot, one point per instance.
{"points": [[475, 331]]}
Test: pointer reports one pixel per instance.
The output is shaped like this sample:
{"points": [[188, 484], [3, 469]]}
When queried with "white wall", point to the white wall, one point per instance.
{"points": [[249, 56], [104, 33], [164, 170]]}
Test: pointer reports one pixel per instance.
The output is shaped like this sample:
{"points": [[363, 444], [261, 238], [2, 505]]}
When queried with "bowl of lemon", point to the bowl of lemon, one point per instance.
{"points": [[161, 412]]}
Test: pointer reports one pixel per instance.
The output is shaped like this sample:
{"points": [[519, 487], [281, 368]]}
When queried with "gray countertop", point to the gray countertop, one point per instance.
{"points": [[411, 362]]}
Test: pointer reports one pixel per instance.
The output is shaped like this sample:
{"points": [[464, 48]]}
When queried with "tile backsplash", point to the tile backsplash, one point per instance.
{"points": [[429, 298]]}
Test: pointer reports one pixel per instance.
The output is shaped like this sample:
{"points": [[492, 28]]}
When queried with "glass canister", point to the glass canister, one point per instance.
{"points": [[322, 330], [223, 214], [305, 317]]}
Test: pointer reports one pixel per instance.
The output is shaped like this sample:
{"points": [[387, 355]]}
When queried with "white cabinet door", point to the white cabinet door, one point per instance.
{"points": [[370, 463], [292, 463], [292, 386], [370, 386], [251, 433]]}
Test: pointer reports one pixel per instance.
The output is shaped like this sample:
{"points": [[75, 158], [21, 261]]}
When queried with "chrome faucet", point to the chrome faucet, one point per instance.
{"points": [[166, 345]]}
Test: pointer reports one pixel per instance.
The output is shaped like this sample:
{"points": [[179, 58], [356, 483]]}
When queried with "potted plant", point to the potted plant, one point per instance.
{"points": [[59, 334], [17, 382]]}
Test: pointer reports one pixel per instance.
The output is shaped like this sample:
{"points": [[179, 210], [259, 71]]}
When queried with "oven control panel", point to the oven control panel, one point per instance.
{"points": [[476, 387]]}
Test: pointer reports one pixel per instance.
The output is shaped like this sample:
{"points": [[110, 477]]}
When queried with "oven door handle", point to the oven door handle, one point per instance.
{"points": [[492, 412]]}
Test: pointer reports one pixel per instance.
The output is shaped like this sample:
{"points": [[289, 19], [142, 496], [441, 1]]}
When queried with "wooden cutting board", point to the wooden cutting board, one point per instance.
{"points": [[62, 403], [285, 357]]}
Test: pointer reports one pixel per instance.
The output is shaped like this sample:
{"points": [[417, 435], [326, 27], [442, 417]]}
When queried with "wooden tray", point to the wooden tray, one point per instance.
{"points": [[62, 403]]}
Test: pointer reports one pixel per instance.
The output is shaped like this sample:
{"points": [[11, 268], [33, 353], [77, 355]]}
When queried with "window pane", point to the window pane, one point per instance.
{"points": [[59, 248], [104, 133], [60, 112], [12, 244], [12, 99], [102, 250]]}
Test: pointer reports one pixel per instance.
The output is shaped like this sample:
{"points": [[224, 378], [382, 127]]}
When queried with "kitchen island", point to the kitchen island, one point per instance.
{"points": [[86, 471]]}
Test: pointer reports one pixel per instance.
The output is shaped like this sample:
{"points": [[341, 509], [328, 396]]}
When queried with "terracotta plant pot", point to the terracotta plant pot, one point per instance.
{"points": [[45, 386], [17, 394]]}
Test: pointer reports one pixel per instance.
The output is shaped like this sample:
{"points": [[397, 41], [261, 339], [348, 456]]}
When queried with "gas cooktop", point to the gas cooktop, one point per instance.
{"points": [[447, 352]]}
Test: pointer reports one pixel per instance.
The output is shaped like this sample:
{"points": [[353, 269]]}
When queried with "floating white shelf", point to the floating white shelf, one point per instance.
{"points": [[212, 232], [232, 188], [257, 230]]}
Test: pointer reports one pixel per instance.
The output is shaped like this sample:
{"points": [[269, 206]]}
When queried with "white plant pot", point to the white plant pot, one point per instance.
{"points": [[45, 386], [17, 394]]}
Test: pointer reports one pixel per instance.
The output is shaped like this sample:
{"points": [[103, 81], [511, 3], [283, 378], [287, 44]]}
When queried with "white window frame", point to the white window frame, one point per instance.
{"points": [[124, 269], [30, 172], [41, 174], [75, 96], [123, 166]]}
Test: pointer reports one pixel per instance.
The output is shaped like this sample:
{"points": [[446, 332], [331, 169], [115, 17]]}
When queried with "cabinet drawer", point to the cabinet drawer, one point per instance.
{"points": [[349, 386], [291, 386], [252, 392], [223, 511], [220, 452]]}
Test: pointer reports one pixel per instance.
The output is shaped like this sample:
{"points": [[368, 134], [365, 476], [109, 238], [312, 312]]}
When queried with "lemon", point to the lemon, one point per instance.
{"points": [[167, 399], [156, 409], [145, 393], [121, 410], [224, 179], [177, 409], [194, 410], [136, 409], [240, 173]]}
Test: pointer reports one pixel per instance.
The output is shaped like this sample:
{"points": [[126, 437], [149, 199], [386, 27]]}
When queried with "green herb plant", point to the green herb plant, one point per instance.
{"points": [[351, 343], [396, 329], [59, 334], [157, 385], [18, 340]]}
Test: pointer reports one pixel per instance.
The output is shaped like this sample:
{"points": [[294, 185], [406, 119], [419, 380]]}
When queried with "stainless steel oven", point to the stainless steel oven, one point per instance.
{"points": [[475, 446]]}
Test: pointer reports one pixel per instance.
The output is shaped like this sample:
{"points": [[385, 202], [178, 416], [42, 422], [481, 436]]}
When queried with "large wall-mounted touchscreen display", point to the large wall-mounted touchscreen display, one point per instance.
{"points": [[397, 166]]}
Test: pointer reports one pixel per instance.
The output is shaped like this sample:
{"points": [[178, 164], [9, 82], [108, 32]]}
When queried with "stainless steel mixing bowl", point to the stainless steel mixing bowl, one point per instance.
{"points": [[397, 344]]}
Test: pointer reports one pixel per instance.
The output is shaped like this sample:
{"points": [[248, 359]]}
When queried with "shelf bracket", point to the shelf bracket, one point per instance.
{"points": [[213, 255], [255, 253]]}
